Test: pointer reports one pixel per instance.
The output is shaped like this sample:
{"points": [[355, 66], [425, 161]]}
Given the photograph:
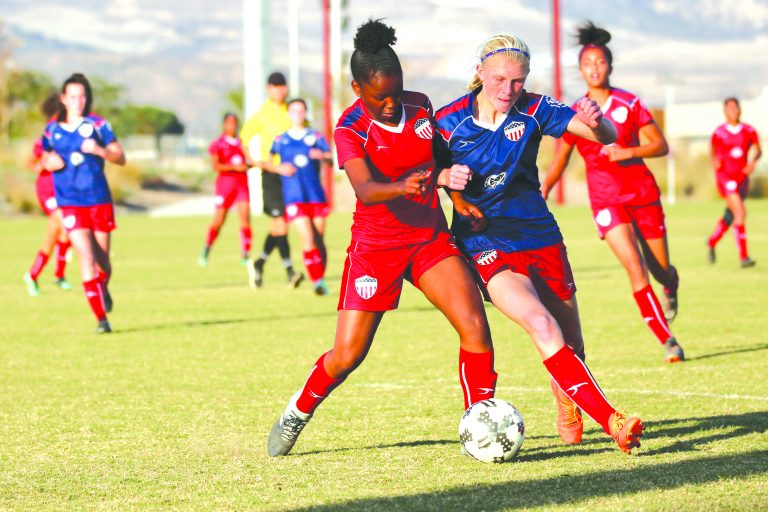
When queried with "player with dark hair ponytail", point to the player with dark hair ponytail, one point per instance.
{"points": [[623, 193], [399, 231]]}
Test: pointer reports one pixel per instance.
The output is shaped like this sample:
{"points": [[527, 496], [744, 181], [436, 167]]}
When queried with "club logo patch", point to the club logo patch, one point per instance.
{"points": [[487, 257], [236, 160], [514, 131], [603, 218], [554, 103], [495, 180], [620, 114], [423, 129], [76, 158], [310, 140], [366, 286], [218, 200], [737, 152], [69, 221], [731, 186], [51, 203], [291, 210], [85, 130], [300, 160]]}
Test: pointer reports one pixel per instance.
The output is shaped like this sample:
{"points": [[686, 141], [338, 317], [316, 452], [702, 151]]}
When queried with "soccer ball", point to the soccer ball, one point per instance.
{"points": [[492, 430]]}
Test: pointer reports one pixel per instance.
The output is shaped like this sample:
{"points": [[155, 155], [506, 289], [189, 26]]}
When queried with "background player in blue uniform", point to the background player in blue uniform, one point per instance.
{"points": [[301, 150], [76, 146], [502, 222]]}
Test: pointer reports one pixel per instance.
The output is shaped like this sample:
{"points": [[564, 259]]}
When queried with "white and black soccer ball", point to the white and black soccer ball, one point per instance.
{"points": [[492, 430]]}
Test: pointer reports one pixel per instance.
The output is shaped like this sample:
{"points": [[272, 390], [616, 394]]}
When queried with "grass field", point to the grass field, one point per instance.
{"points": [[171, 411]]}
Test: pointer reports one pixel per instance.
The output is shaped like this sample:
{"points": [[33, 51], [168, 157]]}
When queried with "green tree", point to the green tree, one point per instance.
{"points": [[27, 90], [146, 120]]}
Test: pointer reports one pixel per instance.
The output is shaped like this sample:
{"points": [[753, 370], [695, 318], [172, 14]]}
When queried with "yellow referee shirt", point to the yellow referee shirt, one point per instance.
{"points": [[259, 131]]}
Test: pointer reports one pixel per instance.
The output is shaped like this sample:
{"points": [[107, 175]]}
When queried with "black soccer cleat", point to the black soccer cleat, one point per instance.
{"points": [[103, 327]]}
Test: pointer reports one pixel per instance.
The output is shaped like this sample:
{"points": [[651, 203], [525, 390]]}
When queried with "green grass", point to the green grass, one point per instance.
{"points": [[171, 411]]}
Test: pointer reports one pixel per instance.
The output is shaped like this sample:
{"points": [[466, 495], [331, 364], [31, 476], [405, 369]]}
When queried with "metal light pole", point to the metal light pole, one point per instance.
{"points": [[558, 88]]}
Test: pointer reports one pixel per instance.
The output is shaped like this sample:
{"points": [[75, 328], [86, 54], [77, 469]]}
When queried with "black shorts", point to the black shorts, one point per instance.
{"points": [[272, 193]]}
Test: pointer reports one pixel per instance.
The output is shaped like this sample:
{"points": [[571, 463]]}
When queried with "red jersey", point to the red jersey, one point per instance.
{"points": [[228, 150], [628, 182], [392, 153], [730, 145]]}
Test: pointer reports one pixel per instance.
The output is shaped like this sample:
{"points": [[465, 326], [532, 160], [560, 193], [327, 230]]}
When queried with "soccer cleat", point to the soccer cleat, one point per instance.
{"points": [[626, 432], [202, 260], [62, 283], [711, 255], [255, 273], [32, 288], [320, 287], [570, 426], [294, 279], [286, 430], [673, 352], [103, 327], [747, 262]]}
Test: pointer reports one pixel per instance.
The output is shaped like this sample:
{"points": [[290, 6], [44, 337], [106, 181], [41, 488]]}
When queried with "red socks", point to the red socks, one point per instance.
{"points": [[95, 297], [313, 260], [245, 240], [741, 241], [652, 313], [40, 260], [573, 377], [61, 258], [478, 380], [317, 387], [720, 230], [212, 234]]}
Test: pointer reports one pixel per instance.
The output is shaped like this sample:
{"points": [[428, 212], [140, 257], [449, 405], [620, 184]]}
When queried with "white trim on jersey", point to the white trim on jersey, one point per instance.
{"points": [[492, 127], [393, 129], [532, 115]]}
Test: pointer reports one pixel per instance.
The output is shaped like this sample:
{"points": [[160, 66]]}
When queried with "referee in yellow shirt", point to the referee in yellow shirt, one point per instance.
{"points": [[257, 134]]}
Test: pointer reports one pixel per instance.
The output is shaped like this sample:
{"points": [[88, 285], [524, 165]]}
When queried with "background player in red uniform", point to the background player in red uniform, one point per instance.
{"points": [[384, 142], [504, 226], [76, 146], [735, 150], [228, 159], [623, 193], [55, 234], [301, 149]]}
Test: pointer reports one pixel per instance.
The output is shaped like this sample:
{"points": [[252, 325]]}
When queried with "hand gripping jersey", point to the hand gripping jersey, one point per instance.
{"points": [[628, 182], [293, 147], [228, 150], [505, 183], [392, 153], [730, 145], [81, 182]]}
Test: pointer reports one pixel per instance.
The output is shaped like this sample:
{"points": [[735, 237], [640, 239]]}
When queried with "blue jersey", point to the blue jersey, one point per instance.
{"points": [[81, 182], [293, 147], [505, 183]]}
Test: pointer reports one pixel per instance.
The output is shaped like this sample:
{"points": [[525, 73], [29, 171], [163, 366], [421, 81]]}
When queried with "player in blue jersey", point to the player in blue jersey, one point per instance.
{"points": [[76, 145], [503, 225], [301, 150]]}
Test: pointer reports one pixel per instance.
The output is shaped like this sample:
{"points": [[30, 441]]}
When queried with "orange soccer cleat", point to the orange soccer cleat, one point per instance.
{"points": [[569, 423], [626, 431]]}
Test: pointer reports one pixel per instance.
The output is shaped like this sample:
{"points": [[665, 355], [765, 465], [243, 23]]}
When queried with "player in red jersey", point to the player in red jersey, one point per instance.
{"points": [[623, 193], [399, 231], [77, 144], [55, 234], [503, 225], [228, 159], [735, 151]]}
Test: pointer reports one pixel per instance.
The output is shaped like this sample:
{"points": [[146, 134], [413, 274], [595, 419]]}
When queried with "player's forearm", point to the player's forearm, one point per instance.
{"points": [[374, 192], [112, 154], [651, 149], [605, 133]]}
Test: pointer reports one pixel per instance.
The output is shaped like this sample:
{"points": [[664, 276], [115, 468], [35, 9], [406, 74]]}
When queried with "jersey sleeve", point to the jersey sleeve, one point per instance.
{"points": [[322, 144], [753, 138], [250, 128], [349, 145], [45, 139], [275, 148], [213, 149], [641, 114], [553, 117], [106, 135]]}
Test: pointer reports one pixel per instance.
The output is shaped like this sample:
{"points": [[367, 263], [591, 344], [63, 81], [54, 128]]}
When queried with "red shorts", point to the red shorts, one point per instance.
{"points": [[373, 276], [548, 268], [45, 195], [99, 217], [312, 210], [648, 219], [231, 188], [727, 185]]}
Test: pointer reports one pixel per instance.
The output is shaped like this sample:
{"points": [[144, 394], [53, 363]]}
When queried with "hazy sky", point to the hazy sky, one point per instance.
{"points": [[185, 55]]}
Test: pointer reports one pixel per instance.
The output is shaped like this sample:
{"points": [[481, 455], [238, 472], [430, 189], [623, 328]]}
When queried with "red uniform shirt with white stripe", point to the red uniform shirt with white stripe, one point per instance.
{"points": [[392, 153], [627, 182], [229, 151], [730, 145]]}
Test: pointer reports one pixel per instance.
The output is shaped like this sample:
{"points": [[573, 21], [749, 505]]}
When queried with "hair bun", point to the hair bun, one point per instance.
{"points": [[591, 34], [373, 35]]}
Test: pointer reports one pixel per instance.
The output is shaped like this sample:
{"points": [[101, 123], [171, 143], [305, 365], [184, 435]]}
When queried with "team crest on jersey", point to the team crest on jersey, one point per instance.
{"points": [[487, 257], [300, 160], [495, 180], [310, 140], [737, 152], [51, 203], [366, 286], [423, 129], [620, 114], [69, 221], [514, 131], [85, 130], [76, 158], [236, 160], [554, 103]]}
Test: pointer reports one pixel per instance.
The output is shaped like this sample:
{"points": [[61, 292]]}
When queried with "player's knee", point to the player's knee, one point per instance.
{"points": [[345, 360], [540, 324], [474, 333]]}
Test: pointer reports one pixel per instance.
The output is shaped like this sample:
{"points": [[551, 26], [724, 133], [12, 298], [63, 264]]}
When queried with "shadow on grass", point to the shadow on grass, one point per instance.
{"points": [[402, 444], [754, 348], [564, 489]]}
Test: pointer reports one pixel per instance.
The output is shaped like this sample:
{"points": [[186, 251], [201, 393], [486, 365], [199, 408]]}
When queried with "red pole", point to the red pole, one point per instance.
{"points": [[327, 122], [558, 88]]}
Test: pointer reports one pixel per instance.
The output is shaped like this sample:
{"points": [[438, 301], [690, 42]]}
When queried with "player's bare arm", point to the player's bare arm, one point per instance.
{"points": [[557, 167], [112, 152], [52, 161], [455, 177], [477, 220], [654, 145], [590, 124], [755, 152], [370, 191]]}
